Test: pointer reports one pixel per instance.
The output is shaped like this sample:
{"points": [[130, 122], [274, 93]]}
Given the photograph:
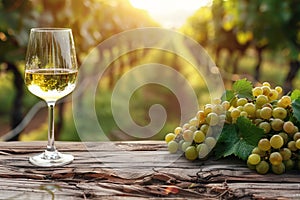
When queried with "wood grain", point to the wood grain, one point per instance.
{"points": [[134, 170]]}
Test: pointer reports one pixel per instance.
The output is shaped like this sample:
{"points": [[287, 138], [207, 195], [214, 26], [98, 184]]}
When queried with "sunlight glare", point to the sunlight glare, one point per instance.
{"points": [[170, 13]]}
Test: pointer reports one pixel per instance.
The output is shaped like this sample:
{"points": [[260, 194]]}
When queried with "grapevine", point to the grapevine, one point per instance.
{"points": [[257, 124]]}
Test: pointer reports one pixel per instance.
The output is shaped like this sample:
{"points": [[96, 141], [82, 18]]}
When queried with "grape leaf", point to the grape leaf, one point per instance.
{"points": [[296, 108], [243, 149], [295, 94], [238, 139], [243, 88], [228, 95], [226, 141], [248, 131]]}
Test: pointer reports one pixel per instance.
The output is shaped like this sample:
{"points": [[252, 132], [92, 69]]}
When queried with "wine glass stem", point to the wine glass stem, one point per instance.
{"points": [[50, 145]]}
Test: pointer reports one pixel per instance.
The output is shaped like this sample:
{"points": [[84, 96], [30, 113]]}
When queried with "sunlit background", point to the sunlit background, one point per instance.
{"points": [[257, 40], [170, 13]]}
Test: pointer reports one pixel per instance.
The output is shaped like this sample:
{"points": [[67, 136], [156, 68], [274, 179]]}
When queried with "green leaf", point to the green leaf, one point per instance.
{"points": [[238, 139], [226, 141], [243, 88], [296, 108], [243, 149], [228, 95], [295, 94], [248, 131]]}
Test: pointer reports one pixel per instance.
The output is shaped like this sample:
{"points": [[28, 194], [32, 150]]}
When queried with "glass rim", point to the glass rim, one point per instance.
{"points": [[49, 29]]}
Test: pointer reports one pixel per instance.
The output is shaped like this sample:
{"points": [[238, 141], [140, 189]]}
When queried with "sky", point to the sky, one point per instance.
{"points": [[170, 13]]}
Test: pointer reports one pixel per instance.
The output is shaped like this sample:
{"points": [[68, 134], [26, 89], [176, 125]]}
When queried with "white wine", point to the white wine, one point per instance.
{"points": [[51, 84]]}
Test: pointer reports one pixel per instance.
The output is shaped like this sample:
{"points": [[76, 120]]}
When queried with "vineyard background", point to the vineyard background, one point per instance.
{"points": [[259, 40]]}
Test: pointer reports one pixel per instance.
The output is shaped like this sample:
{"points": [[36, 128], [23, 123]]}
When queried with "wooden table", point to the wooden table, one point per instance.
{"points": [[134, 170]]}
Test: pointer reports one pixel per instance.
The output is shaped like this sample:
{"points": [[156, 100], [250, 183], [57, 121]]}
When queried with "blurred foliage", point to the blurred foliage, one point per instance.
{"points": [[234, 25], [258, 25], [16, 18], [275, 24]]}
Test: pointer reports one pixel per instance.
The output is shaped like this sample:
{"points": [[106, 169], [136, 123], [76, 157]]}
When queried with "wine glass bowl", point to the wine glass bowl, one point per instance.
{"points": [[51, 73]]}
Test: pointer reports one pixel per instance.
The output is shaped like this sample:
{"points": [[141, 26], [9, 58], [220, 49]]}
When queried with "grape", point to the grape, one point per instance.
{"points": [[188, 135], [266, 90], [285, 153], [185, 145], [257, 91], [241, 101], [212, 119], [296, 136], [257, 113], [201, 116], [278, 169], [265, 126], [178, 130], [240, 108], [202, 150], [267, 105], [244, 114], [292, 145], [273, 95], [257, 121], [226, 105], [267, 84], [262, 167], [297, 144], [193, 122], [199, 136], [204, 128], [222, 118], [278, 89], [275, 158], [266, 113], [258, 151], [193, 128], [211, 142], [251, 166], [277, 124], [209, 132], [191, 153], [289, 164], [284, 136], [186, 126], [235, 113], [217, 101], [289, 127], [276, 141], [173, 146], [264, 144], [218, 109], [279, 112], [170, 137], [253, 159], [286, 101], [207, 109], [250, 109], [261, 100]]}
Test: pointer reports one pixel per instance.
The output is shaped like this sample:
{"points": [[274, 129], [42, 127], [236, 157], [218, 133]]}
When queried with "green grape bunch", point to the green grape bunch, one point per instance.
{"points": [[197, 137], [257, 124]]}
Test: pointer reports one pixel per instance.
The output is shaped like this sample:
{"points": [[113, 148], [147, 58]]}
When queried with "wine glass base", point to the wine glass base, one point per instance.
{"points": [[51, 159]]}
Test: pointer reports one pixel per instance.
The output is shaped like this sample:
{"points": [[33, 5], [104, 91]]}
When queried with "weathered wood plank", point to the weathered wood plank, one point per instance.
{"points": [[142, 169]]}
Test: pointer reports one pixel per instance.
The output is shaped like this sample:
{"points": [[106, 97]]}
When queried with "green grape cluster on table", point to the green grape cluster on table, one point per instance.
{"points": [[276, 148], [198, 137]]}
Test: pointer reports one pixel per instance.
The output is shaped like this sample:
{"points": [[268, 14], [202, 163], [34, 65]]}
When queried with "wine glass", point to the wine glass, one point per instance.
{"points": [[51, 73]]}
